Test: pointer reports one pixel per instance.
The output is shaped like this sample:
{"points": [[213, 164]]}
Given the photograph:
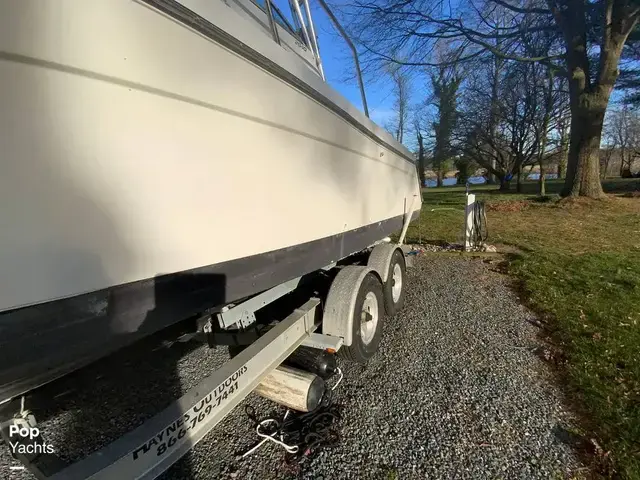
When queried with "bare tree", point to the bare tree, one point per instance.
{"points": [[421, 163], [552, 123], [605, 158], [623, 134], [502, 136], [445, 84], [563, 122], [588, 39], [548, 104], [401, 99]]}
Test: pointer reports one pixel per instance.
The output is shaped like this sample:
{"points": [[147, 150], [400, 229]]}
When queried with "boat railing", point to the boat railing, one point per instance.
{"points": [[354, 52], [311, 39], [314, 41], [272, 22]]}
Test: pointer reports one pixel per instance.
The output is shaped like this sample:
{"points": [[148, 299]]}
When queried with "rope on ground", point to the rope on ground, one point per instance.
{"points": [[301, 435], [341, 376], [270, 437]]}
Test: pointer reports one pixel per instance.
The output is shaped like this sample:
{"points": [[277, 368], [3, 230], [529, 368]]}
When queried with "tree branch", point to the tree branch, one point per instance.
{"points": [[513, 8]]}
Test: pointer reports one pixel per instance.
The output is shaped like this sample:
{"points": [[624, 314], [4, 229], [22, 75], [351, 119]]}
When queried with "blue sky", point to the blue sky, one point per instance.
{"points": [[338, 65]]}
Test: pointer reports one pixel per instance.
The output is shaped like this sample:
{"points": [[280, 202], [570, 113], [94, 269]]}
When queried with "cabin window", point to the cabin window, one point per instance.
{"points": [[279, 17]]}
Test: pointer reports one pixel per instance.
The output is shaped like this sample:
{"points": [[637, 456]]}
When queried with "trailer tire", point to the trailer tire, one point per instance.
{"points": [[366, 339], [235, 350], [395, 286]]}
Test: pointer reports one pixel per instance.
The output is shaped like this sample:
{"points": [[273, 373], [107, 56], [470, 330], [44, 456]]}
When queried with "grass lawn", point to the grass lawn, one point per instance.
{"points": [[578, 263]]}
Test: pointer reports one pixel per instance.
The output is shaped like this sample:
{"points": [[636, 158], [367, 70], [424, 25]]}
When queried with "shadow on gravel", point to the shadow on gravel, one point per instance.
{"points": [[568, 437]]}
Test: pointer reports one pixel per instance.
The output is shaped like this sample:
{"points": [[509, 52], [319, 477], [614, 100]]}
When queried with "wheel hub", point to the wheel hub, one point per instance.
{"points": [[396, 283], [369, 317]]}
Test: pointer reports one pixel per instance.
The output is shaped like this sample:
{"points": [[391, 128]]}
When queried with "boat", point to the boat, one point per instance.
{"points": [[161, 159]]}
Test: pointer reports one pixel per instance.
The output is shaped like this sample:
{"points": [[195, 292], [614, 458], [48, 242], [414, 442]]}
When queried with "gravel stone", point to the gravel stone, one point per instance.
{"points": [[456, 391]]}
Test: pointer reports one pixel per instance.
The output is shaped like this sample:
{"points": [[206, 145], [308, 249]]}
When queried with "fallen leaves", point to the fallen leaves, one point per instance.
{"points": [[508, 206]]}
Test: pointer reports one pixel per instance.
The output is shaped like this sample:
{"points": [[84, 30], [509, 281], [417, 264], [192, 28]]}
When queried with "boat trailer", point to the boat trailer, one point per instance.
{"points": [[154, 446]]}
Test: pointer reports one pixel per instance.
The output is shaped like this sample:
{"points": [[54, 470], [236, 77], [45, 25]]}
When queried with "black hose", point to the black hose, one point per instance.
{"points": [[479, 218], [310, 432]]}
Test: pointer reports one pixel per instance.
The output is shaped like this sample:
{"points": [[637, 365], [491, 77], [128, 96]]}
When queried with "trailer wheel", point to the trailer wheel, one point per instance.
{"points": [[395, 286], [367, 321], [234, 350]]}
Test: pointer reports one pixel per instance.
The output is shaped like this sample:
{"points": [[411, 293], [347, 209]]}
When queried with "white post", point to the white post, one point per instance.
{"points": [[468, 221]]}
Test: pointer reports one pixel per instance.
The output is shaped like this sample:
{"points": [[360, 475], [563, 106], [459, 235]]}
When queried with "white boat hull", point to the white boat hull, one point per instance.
{"points": [[135, 147]]}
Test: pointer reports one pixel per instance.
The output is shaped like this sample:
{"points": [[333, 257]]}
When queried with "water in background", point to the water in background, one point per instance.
{"points": [[548, 176], [447, 182]]}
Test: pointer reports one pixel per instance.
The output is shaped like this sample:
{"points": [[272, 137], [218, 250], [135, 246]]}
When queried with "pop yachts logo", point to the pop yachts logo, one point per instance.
{"points": [[26, 441]]}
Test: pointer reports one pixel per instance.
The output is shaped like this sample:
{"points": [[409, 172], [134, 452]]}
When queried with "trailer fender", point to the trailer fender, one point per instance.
{"points": [[380, 259], [337, 318]]}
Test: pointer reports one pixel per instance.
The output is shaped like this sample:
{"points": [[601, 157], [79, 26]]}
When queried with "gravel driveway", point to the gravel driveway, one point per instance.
{"points": [[454, 392]]}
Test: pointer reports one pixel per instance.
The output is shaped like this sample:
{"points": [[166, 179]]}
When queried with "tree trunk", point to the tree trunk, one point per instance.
{"points": [[464, 173], [603, 171], [529, 172], [583, 169], [439, 176], [421, 161], [626, 160], [505, 185], [491, 178], [589, 98], [548, 108], [562, 164], [564, 150], [495, 81], [519, 181]]}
